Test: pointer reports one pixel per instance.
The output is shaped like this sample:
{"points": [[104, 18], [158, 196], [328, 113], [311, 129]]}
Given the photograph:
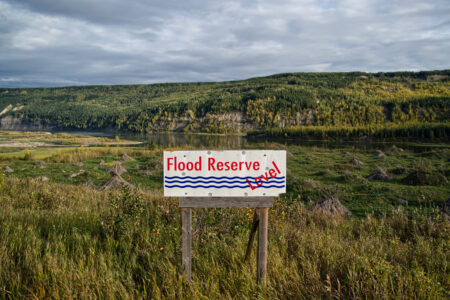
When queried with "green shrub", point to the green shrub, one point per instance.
{"points": [[27, 155], [124, 213]]}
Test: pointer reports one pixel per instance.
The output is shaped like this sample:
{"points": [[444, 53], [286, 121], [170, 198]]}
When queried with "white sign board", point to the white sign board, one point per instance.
{"points": [[236, 173]]}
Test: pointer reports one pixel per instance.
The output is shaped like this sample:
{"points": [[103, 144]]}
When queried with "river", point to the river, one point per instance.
{"points": [[218, 141]]}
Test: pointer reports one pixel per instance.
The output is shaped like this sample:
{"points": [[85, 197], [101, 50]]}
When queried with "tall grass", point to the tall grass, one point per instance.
{"points": [[65, 241]]}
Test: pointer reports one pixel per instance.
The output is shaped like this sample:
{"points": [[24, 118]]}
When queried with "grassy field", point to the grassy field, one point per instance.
{"points": [[67, 239]]}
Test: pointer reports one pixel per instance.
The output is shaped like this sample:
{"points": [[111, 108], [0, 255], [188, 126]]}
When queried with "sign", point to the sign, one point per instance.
{"points": [[235, 173]]}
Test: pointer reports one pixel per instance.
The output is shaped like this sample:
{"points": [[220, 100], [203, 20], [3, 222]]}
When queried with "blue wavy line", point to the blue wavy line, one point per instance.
{"points": [[223, 186], [214, 177], [213, 181]]}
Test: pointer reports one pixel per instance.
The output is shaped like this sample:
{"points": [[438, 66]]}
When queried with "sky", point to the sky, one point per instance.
{"points": [[86, 42]]}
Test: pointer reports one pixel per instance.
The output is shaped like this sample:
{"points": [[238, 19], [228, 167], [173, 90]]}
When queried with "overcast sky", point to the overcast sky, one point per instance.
{"points": [[78, 42]]}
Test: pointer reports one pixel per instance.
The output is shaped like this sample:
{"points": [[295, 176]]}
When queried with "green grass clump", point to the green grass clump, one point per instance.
{"points": [[351, 178], [421, 177], [27, 155]]}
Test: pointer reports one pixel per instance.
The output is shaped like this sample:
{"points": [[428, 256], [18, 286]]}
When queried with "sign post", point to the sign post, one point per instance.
{"points": [[261, 260], [201, 179]]}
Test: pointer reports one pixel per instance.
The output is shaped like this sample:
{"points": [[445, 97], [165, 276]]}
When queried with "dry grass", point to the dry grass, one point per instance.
{"points": [[82, 154]]}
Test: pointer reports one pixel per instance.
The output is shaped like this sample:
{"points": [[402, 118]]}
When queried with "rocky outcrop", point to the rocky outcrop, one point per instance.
{"points": [[76, 174], [14, 123], [116, 182], [125, 157], [380, 174], [117, 169], [40, 164], [233, 121], [331, 206], [298, 119], [6, 109], [7, 169], [356, 162], [42, 179], [379, 154]]}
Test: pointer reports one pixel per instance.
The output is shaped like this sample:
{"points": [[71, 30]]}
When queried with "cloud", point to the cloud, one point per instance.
{"points": [[68, 42]]}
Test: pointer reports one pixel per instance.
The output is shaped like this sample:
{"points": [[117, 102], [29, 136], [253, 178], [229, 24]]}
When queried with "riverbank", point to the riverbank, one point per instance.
{"points": [[408, 130]]}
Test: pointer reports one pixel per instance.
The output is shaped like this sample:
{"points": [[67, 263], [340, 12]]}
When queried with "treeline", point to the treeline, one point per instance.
{"points": [[384, 131], [268, 103]]}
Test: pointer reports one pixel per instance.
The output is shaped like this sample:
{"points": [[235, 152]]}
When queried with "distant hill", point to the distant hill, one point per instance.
{"points": [[277, 104]]}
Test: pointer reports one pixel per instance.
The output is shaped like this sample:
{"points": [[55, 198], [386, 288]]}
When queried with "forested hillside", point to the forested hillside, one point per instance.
{"points": [[283, 104]]}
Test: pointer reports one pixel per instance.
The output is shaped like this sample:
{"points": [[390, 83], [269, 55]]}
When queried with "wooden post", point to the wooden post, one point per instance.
{"points": [[261, 268], [251, 237], [260, 223], [186, 236]]}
